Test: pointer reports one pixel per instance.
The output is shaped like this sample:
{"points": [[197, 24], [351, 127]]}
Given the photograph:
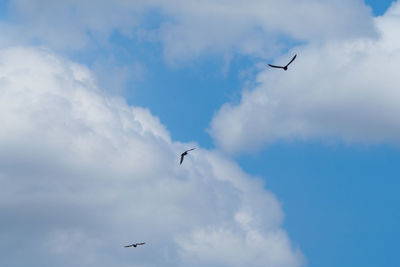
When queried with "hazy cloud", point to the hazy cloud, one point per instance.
{"points": [[190, 28]]}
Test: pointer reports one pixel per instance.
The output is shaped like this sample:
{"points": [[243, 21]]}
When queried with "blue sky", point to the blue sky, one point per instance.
{"points": [[340, 201], [379, 7], [329, 160]]}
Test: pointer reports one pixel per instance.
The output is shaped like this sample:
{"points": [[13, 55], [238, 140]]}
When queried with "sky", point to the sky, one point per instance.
{"points": [[296, 168]]}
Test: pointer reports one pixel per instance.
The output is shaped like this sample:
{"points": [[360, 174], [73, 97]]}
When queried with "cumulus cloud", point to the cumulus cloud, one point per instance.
{"points": [[82, 174], [335, 90], [189, 28]]}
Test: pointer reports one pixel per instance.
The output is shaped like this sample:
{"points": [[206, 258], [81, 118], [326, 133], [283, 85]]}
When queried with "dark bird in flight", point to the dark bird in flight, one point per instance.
{"points": [[184, 154], [283, 67], [135, 245]]}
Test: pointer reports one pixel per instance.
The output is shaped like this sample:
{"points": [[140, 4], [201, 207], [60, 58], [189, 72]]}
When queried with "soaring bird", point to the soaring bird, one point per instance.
{"points": [[284, 67], [184, 154], [135, 245]]}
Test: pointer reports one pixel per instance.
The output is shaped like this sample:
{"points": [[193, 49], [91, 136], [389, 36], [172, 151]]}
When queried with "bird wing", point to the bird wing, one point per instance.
{"points": [[128, 246], [181, 159], [292, 60], [190, 149], [274, 66], [141, 243]]}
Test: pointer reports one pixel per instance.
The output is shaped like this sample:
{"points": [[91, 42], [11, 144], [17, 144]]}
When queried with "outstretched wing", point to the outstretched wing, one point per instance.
{"points": [[292, 60], [274, 66], [185, 153], [128, 246], [139, 244]]}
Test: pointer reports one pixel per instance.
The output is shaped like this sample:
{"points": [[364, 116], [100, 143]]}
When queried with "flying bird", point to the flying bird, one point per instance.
{"points": [[184, 154], [135, 245], [283, 67]]}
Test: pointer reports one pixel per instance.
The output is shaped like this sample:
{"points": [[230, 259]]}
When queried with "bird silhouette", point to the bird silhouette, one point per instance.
{"points": [[184, 154], [135, 245], [283, 67]]}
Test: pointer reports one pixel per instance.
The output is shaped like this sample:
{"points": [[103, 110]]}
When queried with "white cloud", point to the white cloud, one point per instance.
{"points": [[82, 174], [217, 246], [334, 90], [256, 27], [71, 24], [189, 28]]}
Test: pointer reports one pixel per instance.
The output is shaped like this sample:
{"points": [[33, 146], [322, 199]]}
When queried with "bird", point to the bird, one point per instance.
{"points": [[135, 245], [283, 67], [184, 154]]}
